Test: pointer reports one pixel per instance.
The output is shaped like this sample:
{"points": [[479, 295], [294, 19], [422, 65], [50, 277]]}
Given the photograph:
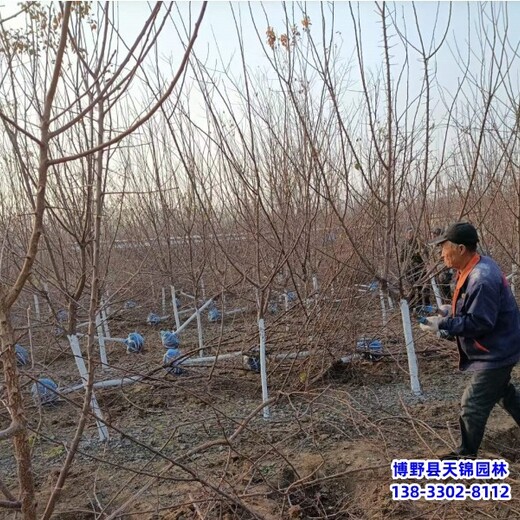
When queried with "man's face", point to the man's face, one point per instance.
{"points": [[452, 254]]}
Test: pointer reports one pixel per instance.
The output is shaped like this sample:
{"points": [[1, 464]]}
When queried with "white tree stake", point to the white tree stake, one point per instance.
{"points": [[286, 297], [193, 316], [235, 311], [105, 324], [104, 384], [37, 307], [436, 292], [199, 330], [202, 288], [514, 271], [383, 307], [30, 335], [115, 340], [175, 309], [292, 355], [163, 300], [101, 341], [232, 355], [104, 318], [263, 367], [106, 305], [410, 349], [80, 362], [210, 359]]}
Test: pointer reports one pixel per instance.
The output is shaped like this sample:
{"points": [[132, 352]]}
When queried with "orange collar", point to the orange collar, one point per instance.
{"points": [[461, 279]]}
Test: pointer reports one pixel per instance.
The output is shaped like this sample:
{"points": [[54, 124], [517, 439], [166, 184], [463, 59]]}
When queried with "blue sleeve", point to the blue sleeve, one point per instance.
{"points": [[481, 312]]}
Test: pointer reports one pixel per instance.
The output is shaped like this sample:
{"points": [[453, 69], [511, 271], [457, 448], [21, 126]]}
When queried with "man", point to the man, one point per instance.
{"points": [[414, 268], [485, 319]]}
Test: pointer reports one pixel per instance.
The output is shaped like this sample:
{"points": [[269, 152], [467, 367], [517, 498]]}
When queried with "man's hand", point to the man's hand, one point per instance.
{"points": [[431, 324], [444, 310]]}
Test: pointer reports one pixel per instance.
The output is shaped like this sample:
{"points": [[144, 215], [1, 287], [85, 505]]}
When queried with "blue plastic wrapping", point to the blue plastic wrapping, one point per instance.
{"points": [[214, 315], [42, 391], [373, 286], [272, 307], [153, 319], [62, 315], [22, 355], [370, 348], [169, 361], [170, 339], [425, 310], [251, 363], [171, 355], [292, 296], [134, 343]]}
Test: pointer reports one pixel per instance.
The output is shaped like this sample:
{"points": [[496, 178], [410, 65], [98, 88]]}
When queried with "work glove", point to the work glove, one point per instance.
{"points": [[431, 324], [444, 310]]}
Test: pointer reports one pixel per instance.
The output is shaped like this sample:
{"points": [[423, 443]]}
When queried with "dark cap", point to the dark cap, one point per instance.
{"points": [[459, 233]]}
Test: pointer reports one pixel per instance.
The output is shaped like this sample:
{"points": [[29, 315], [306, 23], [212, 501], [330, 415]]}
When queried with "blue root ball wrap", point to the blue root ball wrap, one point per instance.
{"points": [[214, 315], [22, 356], [171, 355], [172, 366], [291, 296], [153, 319], [42, 391], [169, 339], [62, 315], [134, 343]]}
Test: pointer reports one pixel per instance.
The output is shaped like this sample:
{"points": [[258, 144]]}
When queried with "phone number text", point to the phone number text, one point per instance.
{"points": [[442, 491]]}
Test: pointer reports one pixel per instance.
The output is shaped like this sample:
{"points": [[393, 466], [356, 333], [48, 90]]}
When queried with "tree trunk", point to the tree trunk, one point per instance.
{"points": [[16, 410]]}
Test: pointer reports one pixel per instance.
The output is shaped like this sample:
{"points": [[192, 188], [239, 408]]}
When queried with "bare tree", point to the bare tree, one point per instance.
{"points": [[105, 82]]}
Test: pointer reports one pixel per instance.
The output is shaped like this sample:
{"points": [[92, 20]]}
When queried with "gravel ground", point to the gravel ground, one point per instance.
{"points": [[358, 417]]}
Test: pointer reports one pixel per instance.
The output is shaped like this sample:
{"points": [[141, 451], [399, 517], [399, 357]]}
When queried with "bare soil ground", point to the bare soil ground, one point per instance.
{"points": [[324, 453]]}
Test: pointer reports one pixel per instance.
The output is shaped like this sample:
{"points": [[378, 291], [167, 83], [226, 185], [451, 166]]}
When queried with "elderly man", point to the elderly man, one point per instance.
{"points": [[485, 319]]}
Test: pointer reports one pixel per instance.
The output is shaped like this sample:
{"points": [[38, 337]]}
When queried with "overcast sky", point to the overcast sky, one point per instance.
{"points": [[219, 26], [218, 45], [218, 42]]}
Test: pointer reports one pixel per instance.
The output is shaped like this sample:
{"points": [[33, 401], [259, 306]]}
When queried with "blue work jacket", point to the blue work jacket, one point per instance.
{"points": [[486, 321]]}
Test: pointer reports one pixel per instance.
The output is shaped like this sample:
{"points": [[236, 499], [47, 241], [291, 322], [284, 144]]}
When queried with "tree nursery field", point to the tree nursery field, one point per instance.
{"points": [[215, 255]]}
